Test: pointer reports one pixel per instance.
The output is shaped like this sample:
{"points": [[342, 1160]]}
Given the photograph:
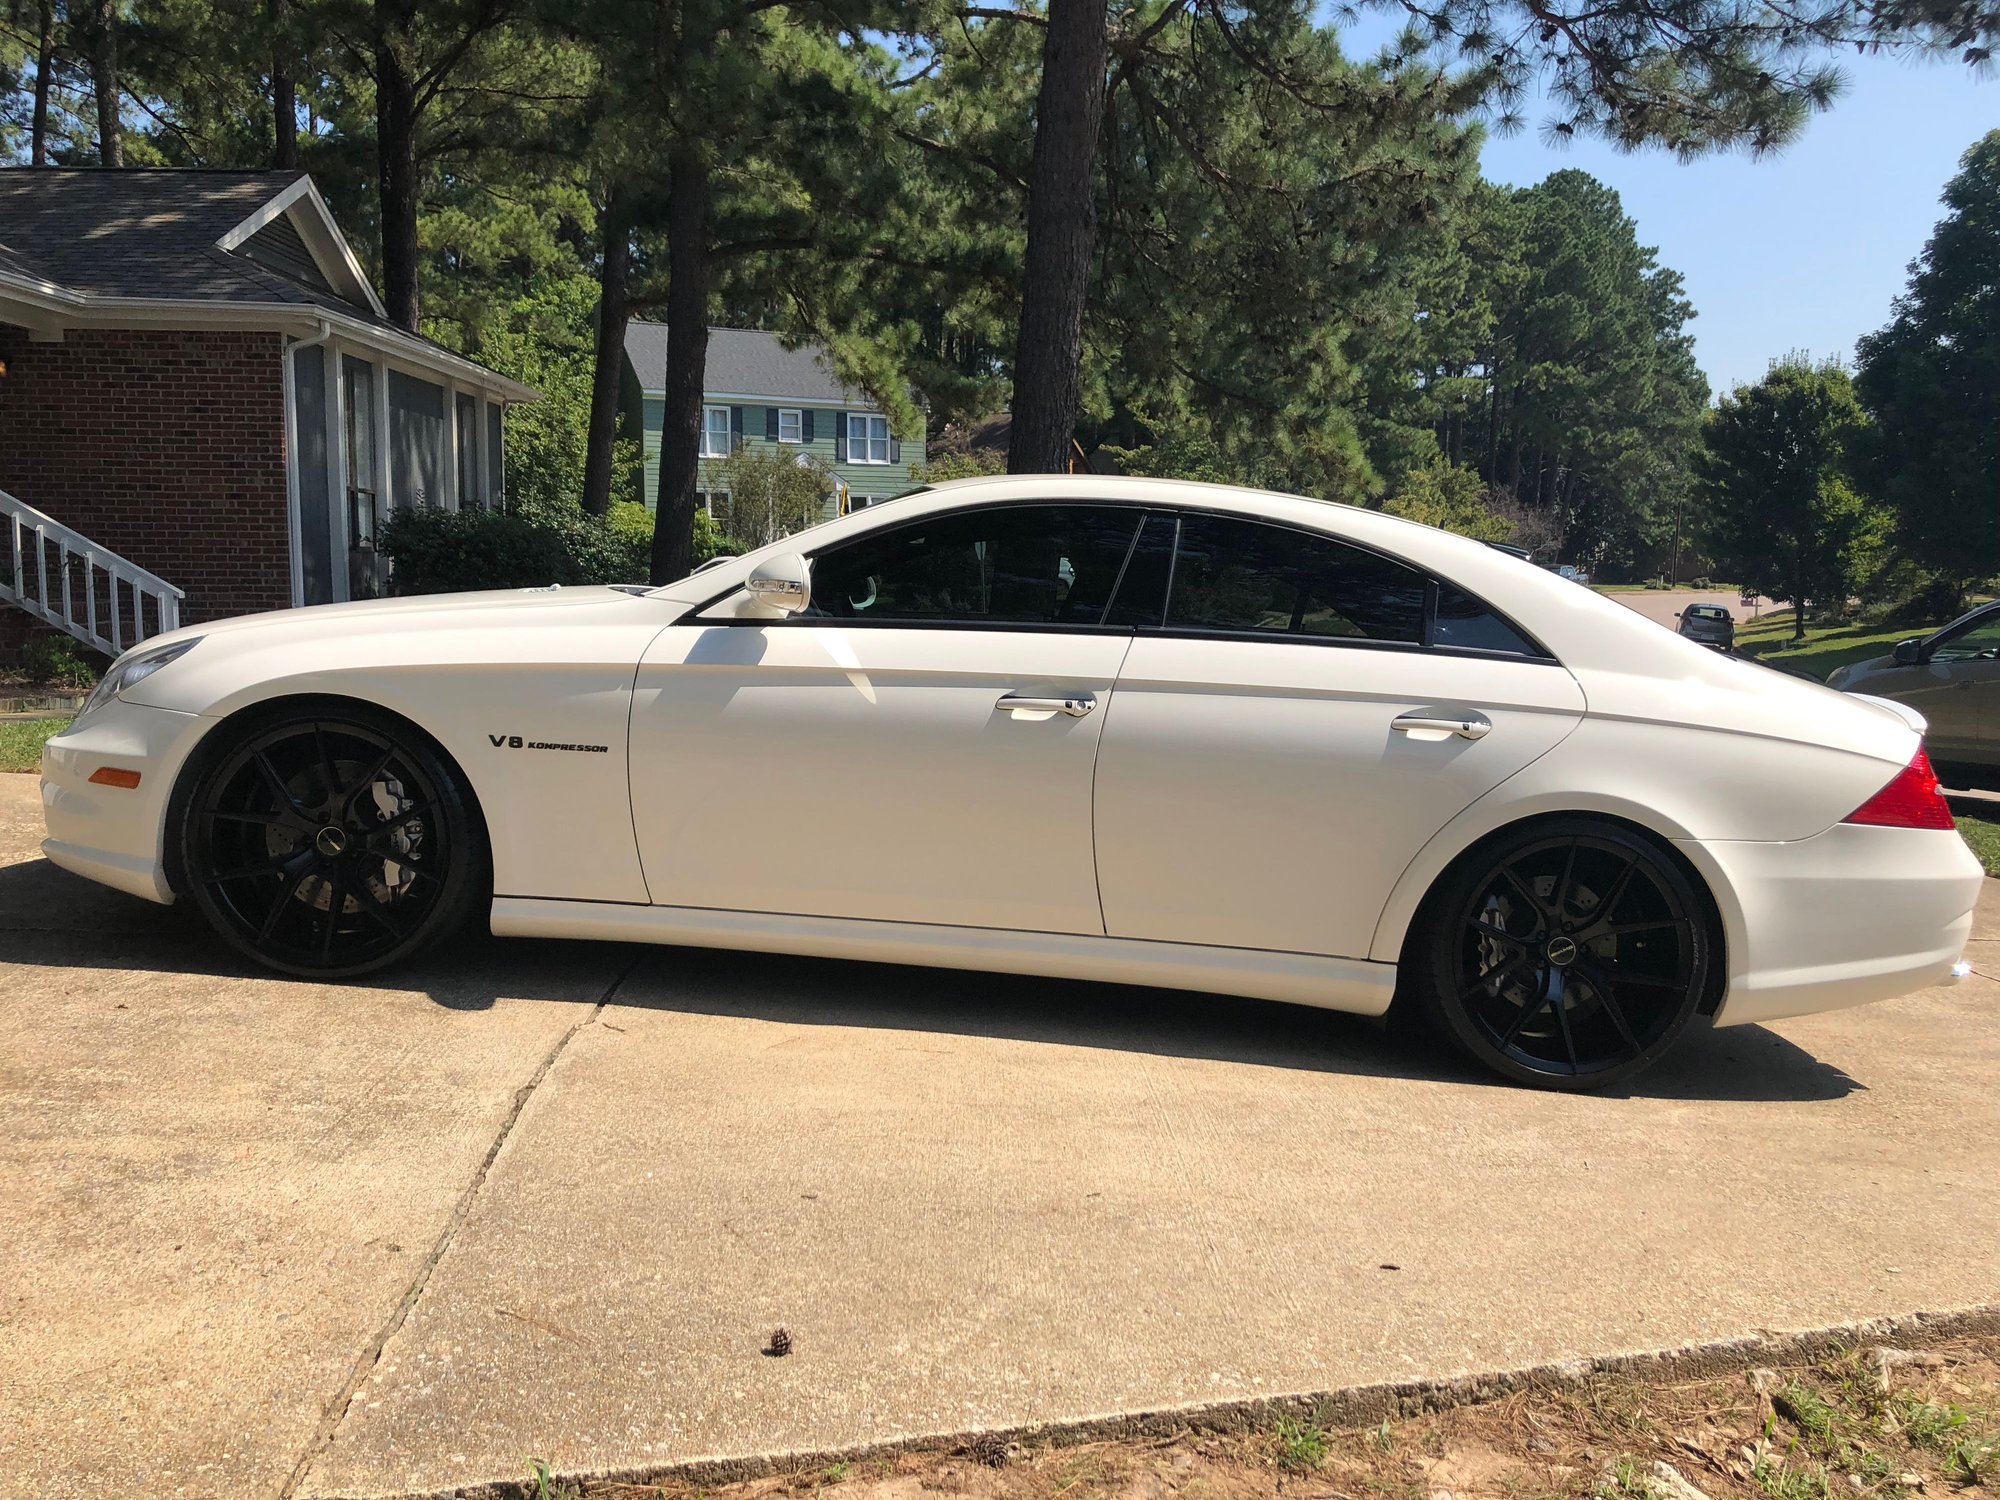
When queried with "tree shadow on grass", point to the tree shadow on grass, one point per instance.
{"points": [[53, 919]]}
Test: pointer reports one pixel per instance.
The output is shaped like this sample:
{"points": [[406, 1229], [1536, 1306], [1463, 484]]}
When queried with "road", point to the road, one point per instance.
{"points": [[1665, 605], [550, 1200]]}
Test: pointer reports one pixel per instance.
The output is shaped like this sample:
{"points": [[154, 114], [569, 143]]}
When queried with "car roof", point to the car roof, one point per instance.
{"points": [[1627, 665]]}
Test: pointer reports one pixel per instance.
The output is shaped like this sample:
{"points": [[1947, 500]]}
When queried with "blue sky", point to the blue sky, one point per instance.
{"points": [[1801, 250]]}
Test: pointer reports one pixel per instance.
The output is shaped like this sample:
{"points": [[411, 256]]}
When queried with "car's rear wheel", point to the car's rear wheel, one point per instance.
{"points": [[329, 843], [1570, 954]]}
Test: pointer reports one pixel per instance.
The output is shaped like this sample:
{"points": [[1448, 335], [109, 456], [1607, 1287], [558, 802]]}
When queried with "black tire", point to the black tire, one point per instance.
{"points": [[1570, 954], [328, 840]]}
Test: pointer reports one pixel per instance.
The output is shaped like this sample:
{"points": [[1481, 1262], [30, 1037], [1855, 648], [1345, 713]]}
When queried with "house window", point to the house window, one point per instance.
{"points": [[791, 425], [715, 432], [867, 439]]}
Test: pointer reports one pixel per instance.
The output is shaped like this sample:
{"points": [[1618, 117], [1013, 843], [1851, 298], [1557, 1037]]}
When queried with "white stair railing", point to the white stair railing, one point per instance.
{"points": [[59, 575]]}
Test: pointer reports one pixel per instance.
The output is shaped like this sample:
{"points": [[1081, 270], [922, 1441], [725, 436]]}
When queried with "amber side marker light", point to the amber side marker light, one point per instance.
{"points": [[1911, 800], [114, 776]]}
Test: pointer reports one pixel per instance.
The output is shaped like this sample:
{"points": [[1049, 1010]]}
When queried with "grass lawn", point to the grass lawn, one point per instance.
{"points": [[21, 742], [1825, 648], [1983, 835]]}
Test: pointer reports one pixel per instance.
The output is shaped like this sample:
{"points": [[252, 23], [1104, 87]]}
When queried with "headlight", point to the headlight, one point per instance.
{"points": [[135, 665]]}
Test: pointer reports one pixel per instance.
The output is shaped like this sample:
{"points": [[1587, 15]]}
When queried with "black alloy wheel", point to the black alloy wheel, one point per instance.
{"points": [[1570, 956], [330, 844]]}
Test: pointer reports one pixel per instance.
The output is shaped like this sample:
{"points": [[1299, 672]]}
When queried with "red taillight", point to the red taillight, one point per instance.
{"points": [[1912, 800]]}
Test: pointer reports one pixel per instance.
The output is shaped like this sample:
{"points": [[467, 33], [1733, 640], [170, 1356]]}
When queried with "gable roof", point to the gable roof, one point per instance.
{"points": [[98, 245], [748, 363], [170, 234]]}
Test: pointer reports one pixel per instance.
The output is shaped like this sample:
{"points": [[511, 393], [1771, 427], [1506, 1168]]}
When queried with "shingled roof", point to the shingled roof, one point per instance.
{"points": [[746, 362], [88, 242], [150, 234]]}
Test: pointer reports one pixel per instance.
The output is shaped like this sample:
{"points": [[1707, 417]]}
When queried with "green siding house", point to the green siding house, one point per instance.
{"points": [[759, 392]]}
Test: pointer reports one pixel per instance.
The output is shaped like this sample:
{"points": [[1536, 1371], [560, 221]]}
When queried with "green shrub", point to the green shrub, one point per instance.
{"points": [[56, 661], [709, 541], [449, 551], [1656, 583]]}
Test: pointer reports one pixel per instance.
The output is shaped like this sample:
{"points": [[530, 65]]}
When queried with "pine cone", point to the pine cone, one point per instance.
{"points": [[780, 1345], [991, 1449]]}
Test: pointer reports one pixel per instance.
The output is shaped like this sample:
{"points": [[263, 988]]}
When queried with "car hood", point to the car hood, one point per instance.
{"points": [[534, 606], [335, 648]]}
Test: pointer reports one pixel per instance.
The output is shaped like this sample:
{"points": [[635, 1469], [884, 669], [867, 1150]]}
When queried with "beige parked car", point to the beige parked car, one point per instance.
{"points": [[1952, 678]]}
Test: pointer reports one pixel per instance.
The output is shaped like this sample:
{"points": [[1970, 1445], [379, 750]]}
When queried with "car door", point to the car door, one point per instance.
{"points": [[1306, 717], [1957, 689], [915, 747]]}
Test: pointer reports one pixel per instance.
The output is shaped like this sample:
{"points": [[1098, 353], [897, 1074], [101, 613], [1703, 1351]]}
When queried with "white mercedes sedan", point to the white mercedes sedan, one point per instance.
{"points": [[1113, 729]]}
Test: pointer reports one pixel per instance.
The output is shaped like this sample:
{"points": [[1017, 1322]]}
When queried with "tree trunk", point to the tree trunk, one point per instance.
{"points": [[45, 73], [614, 311], [396, 162], [284, 93], [687, 360], [104, 82], [1062, 235], [1798, 595], [1493, 419]]}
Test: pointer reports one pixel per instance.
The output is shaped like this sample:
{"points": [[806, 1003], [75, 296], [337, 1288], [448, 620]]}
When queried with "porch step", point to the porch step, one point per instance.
{"points": [[59, 576]]}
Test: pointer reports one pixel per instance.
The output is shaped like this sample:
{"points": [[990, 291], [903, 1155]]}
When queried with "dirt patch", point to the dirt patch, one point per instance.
{"points": [[1868, 1421]]}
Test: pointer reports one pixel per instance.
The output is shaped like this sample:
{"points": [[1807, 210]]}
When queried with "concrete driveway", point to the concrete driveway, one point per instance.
{"points": [[262, 1238]]}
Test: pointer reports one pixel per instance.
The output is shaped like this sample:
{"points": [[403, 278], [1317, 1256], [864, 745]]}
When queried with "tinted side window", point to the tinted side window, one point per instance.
{"points": [[1463, 621], [1979, 642], [1245, 575], [1027, 564]]}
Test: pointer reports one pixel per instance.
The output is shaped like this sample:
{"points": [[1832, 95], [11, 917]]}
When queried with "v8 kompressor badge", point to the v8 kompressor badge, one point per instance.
{"points": [[516, 742]]}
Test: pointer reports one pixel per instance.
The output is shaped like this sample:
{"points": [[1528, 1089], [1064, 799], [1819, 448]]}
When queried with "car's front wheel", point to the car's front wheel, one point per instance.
{"points": [[1570, 954], [329, 842]]}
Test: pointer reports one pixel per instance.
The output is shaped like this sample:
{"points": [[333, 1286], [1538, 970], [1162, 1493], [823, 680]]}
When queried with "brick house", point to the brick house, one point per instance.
{"points": [[200, 394]]}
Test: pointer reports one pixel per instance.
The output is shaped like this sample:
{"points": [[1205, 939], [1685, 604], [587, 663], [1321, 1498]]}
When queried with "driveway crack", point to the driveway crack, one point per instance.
{"points": [[371, 1355]]}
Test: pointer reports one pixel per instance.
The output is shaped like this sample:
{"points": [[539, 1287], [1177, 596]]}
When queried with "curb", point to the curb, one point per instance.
{"points": [[1345, 1406]]}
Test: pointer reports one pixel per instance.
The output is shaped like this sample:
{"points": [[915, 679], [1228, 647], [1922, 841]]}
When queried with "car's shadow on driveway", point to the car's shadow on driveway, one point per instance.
{"points": [[53, 919], [1746, 1063]]}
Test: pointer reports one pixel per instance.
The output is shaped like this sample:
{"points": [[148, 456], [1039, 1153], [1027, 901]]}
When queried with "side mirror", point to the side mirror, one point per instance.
{"points": [[1909, 653], [782, 584]]}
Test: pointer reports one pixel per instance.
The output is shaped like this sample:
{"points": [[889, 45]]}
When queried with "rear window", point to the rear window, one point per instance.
{"points": [[1465, 624], [1709, 612]]}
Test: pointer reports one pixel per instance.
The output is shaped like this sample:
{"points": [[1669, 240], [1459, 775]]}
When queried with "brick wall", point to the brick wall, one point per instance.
{"points": [[166, 447]]}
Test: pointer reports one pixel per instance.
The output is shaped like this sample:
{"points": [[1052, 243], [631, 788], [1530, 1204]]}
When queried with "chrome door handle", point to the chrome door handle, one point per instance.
{"points": [[1076, 705], [1470, 725]]}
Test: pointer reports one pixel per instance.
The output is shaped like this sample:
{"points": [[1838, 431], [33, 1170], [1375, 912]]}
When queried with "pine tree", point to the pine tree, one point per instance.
{"points": [[1931, 379]]}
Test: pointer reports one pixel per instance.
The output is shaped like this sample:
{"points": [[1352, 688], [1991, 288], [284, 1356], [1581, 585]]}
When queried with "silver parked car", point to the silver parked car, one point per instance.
{"points": [[1710, 624], [1951, 677]]}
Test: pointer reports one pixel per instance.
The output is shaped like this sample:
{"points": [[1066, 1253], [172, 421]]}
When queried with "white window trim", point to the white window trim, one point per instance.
{"points": [[798, 420], [727, 432], [864, 420]]}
